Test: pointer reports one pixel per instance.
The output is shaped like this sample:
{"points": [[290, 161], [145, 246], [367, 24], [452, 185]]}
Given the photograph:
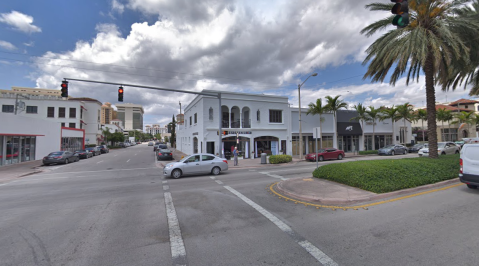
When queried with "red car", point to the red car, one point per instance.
{"points": [[325, 154]]}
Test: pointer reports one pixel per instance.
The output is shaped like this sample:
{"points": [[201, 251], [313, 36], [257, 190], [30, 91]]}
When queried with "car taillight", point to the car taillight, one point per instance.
{"points": [[57, 157], [171, 154], [160, 153], [460, 164], [225, 161]]}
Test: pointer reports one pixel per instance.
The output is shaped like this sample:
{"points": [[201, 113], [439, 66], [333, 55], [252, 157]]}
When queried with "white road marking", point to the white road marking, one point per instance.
{"points": [[115, 155], [272, 175], [99, 161], [212, 177], [310, 248], [128, 160], [99, 171], [164, 182], [219, 182], [166, 187], [136, 154], [176, 241]]}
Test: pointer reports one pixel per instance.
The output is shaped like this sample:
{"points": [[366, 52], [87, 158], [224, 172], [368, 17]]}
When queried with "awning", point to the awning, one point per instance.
{"points": [[81, 121], [83, 108], [349, 129]]}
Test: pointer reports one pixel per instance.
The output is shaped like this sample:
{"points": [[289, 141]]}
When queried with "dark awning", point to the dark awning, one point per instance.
{"points": [[349, 128]]}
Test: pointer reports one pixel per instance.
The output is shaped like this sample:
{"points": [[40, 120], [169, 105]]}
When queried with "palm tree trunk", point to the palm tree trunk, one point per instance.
{"points": [[442, 134], [362, 125], [394, 139], [374, 144], [335, 138], [405, 130], [431, 104]]}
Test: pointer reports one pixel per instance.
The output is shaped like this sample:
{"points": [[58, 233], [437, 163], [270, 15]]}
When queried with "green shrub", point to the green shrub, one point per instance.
{"points": [[274, 159], [381, 176], [368, 152]]}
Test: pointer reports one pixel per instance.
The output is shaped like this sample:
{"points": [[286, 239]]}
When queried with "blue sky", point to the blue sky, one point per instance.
{"points": [[240, 45]]}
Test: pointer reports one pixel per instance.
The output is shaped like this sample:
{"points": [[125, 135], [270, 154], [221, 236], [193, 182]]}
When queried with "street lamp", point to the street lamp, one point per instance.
{"points": [[300, 132]]}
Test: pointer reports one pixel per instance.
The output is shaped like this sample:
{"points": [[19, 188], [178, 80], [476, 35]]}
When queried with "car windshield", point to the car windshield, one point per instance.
{"points": [[80, 151], [441, 145], [418, 145], [56, 153], [164, 150], [389, 146], [321, 150]]}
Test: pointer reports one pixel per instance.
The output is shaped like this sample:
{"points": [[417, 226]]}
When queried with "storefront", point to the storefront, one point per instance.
{"points": [[229, 144], [348, 136], [266, 144], [17, 148], [380, 140]]}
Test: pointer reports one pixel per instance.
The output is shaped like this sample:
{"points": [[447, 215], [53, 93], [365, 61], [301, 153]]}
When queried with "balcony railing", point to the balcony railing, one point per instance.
{"points": [[246, 123], [225, 124], [235, 124]]}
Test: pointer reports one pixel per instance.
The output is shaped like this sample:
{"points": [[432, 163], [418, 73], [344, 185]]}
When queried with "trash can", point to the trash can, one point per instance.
{"points": [[263, 158]]}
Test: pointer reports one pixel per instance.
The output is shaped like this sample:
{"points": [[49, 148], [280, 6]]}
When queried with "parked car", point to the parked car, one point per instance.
{"points": [[60, 157], [326, 154], [443, 148], [392, 149], [469, 165], [416, 147], [103, 149], [164, 154], [94, 150], [160, 146], [150, 143], [84, 154], [122, 145], [200, 163], [460, 143]]}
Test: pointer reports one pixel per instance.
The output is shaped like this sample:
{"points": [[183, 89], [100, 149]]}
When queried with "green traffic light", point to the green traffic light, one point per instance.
{"points": [[401, 21]]}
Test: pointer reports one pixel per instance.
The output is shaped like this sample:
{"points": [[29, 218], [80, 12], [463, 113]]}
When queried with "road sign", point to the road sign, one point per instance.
{"points": [[316, 132]]}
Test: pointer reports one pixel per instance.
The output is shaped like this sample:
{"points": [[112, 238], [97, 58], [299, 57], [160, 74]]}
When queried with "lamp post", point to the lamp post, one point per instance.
{"points": [[300, 132]]}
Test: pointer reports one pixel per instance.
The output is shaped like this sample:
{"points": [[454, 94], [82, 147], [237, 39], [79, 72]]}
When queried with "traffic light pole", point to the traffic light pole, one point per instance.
{"points": [[218, 95]]}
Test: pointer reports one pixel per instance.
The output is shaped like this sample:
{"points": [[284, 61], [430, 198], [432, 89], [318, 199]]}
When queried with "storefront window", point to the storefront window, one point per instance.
{"points": [[380, 141], [1, 150]]}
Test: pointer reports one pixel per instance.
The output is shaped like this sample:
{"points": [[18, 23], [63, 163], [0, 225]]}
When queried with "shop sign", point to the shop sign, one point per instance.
{"points": [[239, 132]]}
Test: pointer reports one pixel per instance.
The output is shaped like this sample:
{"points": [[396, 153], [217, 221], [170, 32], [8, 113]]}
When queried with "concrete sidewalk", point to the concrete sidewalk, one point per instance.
{"points": [[15, 171]]}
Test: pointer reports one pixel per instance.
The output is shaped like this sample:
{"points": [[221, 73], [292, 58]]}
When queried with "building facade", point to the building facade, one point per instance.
{"points": [[131, 115], [106, 113]]}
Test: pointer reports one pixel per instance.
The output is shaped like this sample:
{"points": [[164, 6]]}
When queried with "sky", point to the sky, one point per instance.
{"points": [[246, 46]]}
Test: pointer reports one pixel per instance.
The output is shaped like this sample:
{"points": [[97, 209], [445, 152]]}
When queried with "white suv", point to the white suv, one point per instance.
{"points": [[469, 165]]}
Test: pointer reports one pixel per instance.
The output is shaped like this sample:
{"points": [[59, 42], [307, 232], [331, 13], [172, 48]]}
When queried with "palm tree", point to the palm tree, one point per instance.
{"points": [[390, 113], [466, 71], [421, 114], [318, 109], [442, 116], [333, 105], [448, 117], [362, 115], [431, 44], [405, 113], [374, 114], [464, 118]]}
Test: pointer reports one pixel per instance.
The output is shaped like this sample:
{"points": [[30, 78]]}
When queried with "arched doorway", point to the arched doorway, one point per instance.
{"points": [[229, 144], [465, 134]]}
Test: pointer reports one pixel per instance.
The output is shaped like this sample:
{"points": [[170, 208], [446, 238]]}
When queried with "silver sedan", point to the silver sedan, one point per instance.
{"points": [[201, 163]]}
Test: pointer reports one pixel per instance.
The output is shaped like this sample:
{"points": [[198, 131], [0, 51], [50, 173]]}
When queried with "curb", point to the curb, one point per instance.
{"points": [[376, 197]]}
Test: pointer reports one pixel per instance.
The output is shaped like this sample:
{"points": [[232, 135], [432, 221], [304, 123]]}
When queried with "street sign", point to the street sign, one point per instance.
{"points": [[316, 132]]}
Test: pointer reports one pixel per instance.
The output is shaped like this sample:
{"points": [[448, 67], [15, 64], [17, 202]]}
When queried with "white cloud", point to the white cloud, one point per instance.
{"points": [[19, 21], [231, 45], [29, 44], [7, 45]]}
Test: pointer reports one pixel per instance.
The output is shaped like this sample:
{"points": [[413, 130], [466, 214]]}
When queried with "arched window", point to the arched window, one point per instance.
{"points": [[258, 115], [211, 113]]}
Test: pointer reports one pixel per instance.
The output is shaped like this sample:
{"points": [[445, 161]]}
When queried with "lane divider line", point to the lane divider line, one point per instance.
{"points": [[128, 160], [178, 251], [99, 162], [273, 175], [320, 256], [364, 206]]}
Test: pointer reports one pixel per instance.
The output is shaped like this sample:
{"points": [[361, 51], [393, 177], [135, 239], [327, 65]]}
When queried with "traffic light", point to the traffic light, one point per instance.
{"points": [[64, 88], [225, 133], [120, 94], [400, 9]]}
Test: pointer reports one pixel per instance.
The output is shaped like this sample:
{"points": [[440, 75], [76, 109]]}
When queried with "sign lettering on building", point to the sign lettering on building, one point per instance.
{"points": [[239, 132]]}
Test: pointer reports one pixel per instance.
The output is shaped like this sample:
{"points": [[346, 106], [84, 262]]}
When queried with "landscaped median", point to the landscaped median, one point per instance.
{"points": [[381, 176]]}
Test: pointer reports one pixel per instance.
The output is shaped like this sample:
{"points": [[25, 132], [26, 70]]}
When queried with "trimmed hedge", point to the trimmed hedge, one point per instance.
{"points": [[274, 159], [368, 152], [381, 176]]}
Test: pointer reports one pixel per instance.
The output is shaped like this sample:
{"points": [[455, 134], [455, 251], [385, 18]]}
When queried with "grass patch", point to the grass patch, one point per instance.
{"points": [[368, 152], [381, 176]]}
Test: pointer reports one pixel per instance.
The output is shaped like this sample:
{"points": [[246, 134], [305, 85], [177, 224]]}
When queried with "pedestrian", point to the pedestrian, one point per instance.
{"points": [[235, 153]]}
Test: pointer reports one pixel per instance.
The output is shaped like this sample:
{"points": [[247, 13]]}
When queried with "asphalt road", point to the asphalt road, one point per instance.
{"points": [[118, 209]]}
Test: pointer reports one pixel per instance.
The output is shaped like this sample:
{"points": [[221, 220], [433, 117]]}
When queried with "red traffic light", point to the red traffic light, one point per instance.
{"points": [[64, 85], [120, 90]]}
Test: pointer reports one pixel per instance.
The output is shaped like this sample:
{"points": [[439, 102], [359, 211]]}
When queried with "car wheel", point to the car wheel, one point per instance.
{"points": [[321, 158], [472, 186], [216, 171], [46, 164], [340, 157], [457, 151], [443, 153], [405, 152], [392, 153], [176, 173], [66, 161]]}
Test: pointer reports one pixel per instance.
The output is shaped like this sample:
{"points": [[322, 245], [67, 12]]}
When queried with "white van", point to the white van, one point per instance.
{"points": [[469, 162]]}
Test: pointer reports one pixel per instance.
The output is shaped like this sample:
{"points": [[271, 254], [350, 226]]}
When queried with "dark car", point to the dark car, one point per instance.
{"points": [[94, 150], [84, 154], [60, 157], [326, 154], [103, 149], [416, 148], [392, 149], [164, 154], [160, 146]]}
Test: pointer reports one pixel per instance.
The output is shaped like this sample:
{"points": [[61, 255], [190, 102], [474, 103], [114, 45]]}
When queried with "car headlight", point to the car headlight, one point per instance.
{"points": [[168, 166]]}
